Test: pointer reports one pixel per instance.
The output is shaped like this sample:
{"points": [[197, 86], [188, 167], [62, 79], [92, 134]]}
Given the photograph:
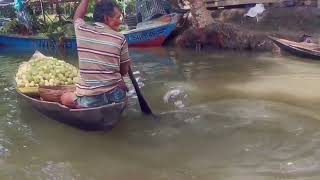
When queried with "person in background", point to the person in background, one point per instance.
{"points": [[306, 38], [23, 16], [103, 57]]}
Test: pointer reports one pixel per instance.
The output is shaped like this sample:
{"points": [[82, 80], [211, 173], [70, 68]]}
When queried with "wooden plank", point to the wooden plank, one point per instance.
{"points": [[223, 3], [242, 1], [226, 3]]}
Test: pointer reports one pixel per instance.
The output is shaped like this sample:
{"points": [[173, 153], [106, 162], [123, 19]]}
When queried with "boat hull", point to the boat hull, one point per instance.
{"points": [[150, 37], [34, 43], [306, 50], [91, 119]]}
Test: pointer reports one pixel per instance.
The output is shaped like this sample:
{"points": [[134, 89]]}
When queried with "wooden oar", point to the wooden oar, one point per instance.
{"points": [[145, 108]]}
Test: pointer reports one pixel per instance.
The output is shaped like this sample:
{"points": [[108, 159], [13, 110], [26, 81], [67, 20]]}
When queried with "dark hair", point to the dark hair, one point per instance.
{"points": [[104, 8]]}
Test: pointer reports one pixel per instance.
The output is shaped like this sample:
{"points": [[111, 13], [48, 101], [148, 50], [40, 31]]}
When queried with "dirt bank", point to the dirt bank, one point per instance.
{"points": [[234, 31]]}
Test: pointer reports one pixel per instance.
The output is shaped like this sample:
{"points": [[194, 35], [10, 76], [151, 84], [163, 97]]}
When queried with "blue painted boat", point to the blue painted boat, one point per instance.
{"points": [[151, 33], [150, 36], [34, 42]]}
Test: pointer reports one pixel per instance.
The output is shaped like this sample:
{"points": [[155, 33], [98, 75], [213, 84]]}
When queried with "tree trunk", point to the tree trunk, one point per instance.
{"points": [[201, 17]]}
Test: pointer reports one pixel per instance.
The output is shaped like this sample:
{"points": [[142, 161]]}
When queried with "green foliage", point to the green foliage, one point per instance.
{"points": [[13, 27], [58, 30], [37, 23], [127, 6], [92, 4], [8, 11], [131, 7]]}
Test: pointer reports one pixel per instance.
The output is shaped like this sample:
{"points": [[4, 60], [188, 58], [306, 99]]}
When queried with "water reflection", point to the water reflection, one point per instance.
{"points": [[222, 116]]}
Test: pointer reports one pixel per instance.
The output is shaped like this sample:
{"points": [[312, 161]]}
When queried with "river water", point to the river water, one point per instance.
{"points": [[222, 115]]}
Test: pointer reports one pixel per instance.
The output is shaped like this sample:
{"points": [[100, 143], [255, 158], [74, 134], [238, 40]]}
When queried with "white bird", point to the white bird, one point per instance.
{"points": [[255, 11]]}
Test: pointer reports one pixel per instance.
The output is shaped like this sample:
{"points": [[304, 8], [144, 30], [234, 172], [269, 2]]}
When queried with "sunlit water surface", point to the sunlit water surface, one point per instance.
{"points": [[222, 115]]}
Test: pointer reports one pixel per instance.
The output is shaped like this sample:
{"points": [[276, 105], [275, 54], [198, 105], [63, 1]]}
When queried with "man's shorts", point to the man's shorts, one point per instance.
{"points": [[115, 96]]}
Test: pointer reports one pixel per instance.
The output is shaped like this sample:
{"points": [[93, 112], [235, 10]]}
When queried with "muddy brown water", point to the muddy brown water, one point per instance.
{"points": [[223, 115]]}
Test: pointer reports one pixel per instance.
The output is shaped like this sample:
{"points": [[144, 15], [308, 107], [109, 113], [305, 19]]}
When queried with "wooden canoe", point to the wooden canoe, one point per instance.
{"points": [[99, 118], [302, 49]]}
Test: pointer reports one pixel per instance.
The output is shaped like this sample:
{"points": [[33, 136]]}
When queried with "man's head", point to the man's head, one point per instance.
{"points": [[107, 12]]}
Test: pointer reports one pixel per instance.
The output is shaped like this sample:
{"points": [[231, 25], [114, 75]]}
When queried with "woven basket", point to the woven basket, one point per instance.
{"points": [[54, 93]]}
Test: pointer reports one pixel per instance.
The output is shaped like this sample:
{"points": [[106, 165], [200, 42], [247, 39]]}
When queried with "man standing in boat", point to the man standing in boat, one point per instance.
{"points": [[103, 57]]}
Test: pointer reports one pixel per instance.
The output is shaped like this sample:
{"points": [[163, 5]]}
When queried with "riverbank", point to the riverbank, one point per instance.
{"points": [[232, 30]]}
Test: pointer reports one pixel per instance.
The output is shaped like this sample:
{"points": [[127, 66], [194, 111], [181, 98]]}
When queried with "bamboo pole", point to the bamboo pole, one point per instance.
{"points": [[42, 12]]}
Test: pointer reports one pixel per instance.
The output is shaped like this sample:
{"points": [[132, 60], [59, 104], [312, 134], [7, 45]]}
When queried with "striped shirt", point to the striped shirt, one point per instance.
{"points": [[101, 51]]}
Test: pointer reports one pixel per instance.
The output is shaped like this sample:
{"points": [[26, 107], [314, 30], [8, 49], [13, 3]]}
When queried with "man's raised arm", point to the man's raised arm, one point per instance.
{"points": [[81, 10]]}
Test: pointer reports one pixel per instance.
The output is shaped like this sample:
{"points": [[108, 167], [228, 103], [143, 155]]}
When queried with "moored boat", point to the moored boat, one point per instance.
{"points": [[151, 33], [99, 118], [34, 43], [149, 36], [302, 49]]}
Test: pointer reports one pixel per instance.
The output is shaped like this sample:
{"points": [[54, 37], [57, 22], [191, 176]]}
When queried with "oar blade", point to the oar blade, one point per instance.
{"points": [[145, 108]]}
